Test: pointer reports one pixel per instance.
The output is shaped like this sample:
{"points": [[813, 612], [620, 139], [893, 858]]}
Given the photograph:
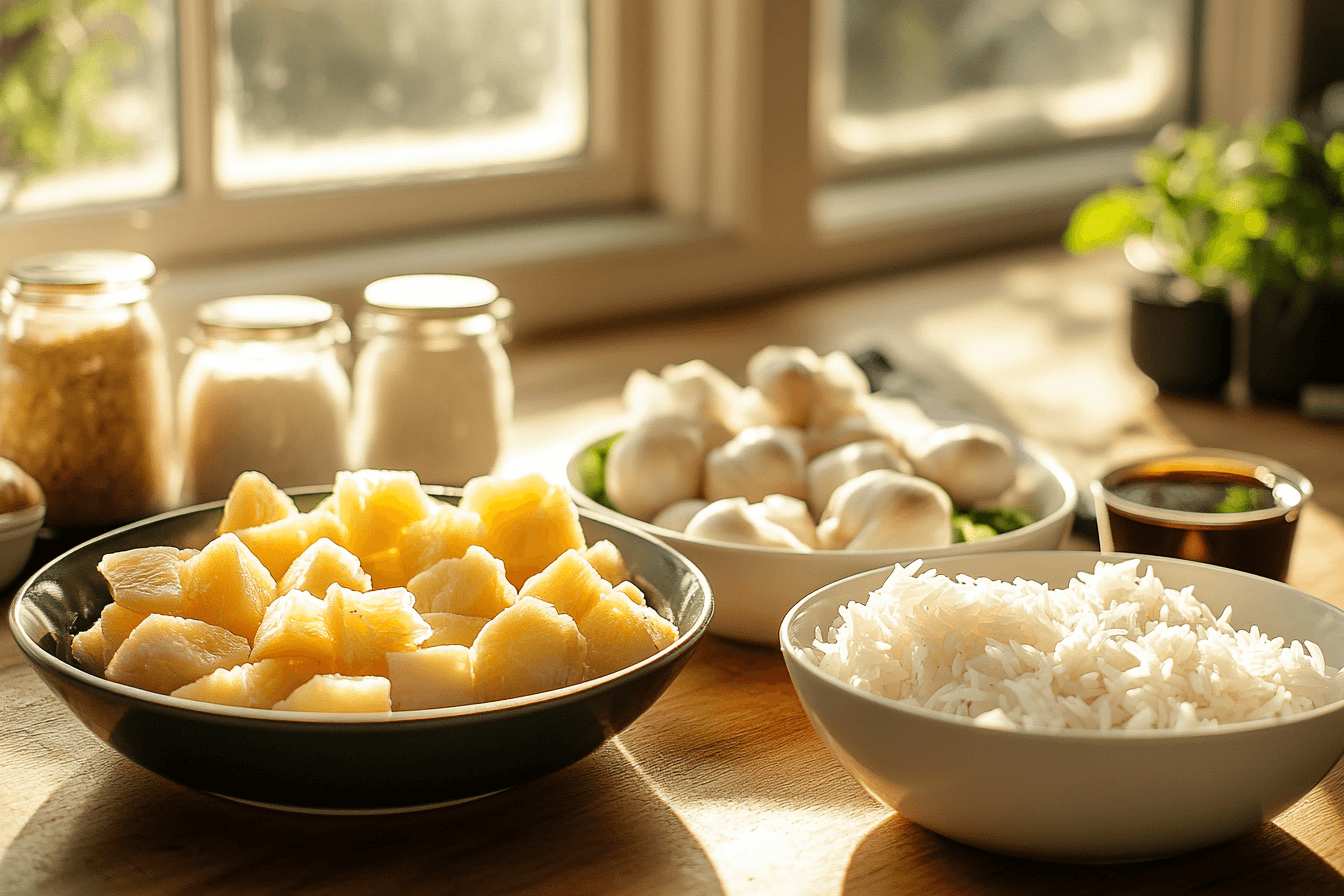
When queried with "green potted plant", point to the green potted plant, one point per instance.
{"points": [[1258, 208]]}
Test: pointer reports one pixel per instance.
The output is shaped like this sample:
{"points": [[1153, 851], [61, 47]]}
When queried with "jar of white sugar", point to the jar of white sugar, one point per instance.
{"points": [[433, 388], [85, 392], [265, 390]]}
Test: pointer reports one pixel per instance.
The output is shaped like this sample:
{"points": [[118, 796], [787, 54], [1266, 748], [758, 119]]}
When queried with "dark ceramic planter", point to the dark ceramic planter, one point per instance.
{"points": [[1184, 347], [1296, 337]]}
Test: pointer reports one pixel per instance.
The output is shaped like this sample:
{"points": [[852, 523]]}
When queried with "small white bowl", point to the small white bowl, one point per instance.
{"points": [[755, 586], [18, 533], [1077, 796]]}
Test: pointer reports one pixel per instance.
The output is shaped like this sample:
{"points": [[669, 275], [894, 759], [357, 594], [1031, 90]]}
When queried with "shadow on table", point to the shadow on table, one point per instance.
{"points": [[594, 826], [899, 856]]}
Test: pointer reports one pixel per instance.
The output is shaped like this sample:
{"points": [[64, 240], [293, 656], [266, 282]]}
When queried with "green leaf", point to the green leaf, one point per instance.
{"points": [[1106, 220]]}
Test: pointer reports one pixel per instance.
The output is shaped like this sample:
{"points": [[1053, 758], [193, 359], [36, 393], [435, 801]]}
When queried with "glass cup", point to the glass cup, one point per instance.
{"points": [[1204, 504]]}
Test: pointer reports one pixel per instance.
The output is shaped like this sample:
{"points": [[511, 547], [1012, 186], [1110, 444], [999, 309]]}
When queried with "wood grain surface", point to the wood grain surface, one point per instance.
{"points": [[722, 787]]}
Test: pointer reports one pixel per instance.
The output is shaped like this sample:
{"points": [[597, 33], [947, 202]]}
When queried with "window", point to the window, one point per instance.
{"points": [[594, 157]]}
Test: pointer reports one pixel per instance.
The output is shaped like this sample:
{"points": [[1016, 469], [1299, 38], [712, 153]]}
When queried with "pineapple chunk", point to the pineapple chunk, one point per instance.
{"points": [[443, 535], [278, 544], [376, 505], [295, 625], [384, 569], [254, 500], [146, 580], [254, 685], [116, 623], [86, 649], [620, 633], [630, 590], [340, 693], [606, 558], [430, 678], [527, 649], [569, 583], [529, 522], [452, 628], [322, 564], [165, 652], [474, 585], [226, 585], [366, 626]]}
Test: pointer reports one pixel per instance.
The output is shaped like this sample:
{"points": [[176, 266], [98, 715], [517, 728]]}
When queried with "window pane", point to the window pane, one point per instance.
{"points": [[348, 91], [920, 77], [88, 103]]}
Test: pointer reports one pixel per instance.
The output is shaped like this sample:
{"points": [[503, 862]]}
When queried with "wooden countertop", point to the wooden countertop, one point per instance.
{"points": [[722, 787]]}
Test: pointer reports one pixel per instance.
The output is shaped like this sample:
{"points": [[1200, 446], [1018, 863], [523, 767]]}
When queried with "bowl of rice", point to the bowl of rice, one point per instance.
{"points": [[1073, 706]]}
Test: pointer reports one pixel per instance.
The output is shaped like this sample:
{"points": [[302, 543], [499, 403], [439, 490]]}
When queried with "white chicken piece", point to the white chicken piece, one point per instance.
{"points": [[733, 520], [693, 389], [657, 461], [854, 428], [758, 461], [886, 510], [801, 389], [827, 472], [676, 515], [974, 462], [838, 388], [791, 513]]}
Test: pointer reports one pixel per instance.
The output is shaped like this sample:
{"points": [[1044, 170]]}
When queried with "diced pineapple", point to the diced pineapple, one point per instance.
{"points": [[384, 569], [295, 625], [620, 633], [527, 649], [322, 564], [116, 623], [631, 590], [86, 649], [163, 653], [254, 685], [443, 535], [340, 693], [376, 505], [368, 625], [569, 583], [146, 580], [452, 628], [474, 585], [226, 585], [430, 678], [606, 558], [529, 521], [277, 545], [254, 500]]}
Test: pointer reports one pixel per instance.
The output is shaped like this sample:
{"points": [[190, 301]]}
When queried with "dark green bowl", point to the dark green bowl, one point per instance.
{"points": [[347, 762]]}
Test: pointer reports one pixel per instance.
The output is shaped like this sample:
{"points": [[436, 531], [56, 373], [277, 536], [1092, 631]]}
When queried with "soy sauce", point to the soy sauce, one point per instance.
{"points": [[1226, 510]]}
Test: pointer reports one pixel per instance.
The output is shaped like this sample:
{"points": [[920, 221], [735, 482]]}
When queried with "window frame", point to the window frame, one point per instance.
{"points": [[715, 192]]}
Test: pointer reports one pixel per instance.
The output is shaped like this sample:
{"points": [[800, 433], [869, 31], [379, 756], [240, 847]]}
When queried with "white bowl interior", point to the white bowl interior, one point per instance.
{"points": [[18, 533], [754, 587], [1077, 796]]}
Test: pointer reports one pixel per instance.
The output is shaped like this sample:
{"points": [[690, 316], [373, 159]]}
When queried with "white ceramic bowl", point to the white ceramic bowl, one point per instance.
{"points": [[1077, 796], [18, 532], [755, 586]]}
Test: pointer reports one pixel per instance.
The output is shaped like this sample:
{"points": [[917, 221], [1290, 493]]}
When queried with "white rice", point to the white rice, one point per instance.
{"points": [[1113, 650]]}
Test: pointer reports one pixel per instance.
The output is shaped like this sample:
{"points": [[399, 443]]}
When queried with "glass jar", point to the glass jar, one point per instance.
{"points": [[433, 389], [85, 393], [264, 390]]}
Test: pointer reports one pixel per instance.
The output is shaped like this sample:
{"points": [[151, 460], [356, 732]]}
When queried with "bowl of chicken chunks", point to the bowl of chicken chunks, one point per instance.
{"points": [[802, 476], [373, 646]]}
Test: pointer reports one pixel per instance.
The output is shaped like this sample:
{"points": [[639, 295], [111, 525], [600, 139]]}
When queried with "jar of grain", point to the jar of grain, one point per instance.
{"points": [[265, 390], [85, 395], [432, 385]]}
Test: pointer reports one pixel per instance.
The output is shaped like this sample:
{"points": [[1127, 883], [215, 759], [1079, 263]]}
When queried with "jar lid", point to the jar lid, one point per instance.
{"points": [[266, 317], [432, 295], [72, 276]]}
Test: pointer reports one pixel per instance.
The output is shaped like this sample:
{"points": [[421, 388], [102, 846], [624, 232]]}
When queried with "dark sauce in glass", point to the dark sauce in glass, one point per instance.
{"points": [[1212, 510]]}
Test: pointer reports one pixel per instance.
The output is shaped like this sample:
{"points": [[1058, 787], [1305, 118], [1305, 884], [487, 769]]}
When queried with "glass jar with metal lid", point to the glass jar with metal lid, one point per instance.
{"points": [[85, 389], [432, 384], [264, 390]]}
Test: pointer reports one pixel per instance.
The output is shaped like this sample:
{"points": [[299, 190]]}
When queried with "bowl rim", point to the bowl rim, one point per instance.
{"points": [[879, 556], [686, 639], [799, 663], [25, 518]]}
